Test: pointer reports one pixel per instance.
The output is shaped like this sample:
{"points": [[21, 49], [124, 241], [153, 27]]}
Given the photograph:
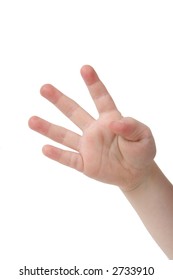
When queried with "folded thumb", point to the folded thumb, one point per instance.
{"points": [[130, 129]]}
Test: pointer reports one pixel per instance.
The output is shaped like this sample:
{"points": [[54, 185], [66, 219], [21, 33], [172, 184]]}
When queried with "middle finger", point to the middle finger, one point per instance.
{"points": [[67, 106]]}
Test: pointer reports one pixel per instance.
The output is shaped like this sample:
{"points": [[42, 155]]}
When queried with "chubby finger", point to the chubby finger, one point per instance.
{"points": [[70, 159], [130, 129], [55, 132], [99, 93], [67, 106]]}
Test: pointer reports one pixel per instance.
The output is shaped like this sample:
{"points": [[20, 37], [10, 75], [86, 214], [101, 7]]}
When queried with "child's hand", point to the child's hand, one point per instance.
{"points": [[112, 149]]}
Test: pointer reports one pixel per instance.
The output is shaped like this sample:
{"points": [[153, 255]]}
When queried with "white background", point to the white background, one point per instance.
{"points": [[50, 215]]}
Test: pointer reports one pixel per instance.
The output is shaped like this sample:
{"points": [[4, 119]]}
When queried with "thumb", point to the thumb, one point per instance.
{"points": [[130, 129]]}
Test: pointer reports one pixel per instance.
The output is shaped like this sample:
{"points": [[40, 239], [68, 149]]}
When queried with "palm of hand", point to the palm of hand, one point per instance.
{"points": [[109, 151], [109, 158], [99, 149]]}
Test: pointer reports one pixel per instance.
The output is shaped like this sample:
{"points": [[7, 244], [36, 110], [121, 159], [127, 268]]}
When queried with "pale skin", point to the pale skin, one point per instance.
{"points": [[113, 149]]}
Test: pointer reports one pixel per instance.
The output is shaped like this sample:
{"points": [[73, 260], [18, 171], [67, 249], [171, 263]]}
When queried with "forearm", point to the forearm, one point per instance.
{"points": [[153, 202]]}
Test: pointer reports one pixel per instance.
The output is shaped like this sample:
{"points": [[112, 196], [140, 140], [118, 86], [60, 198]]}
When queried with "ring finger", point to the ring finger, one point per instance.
{"points": [[56, 133]]}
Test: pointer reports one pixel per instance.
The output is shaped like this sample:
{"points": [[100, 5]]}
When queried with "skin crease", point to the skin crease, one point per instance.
{"points": [[113, 149]]}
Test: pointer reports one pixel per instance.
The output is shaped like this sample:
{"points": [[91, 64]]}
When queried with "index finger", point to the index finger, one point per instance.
{"points": [[98, 91]]}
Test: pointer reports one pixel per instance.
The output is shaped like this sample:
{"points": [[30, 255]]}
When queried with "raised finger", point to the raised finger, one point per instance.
{"points": [[55, 132], [67, 106], [70, 159], [98, 91]]}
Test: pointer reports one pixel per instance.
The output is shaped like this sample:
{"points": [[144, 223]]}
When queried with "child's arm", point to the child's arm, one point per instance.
{"points": [[114, 150], [153, 202]]}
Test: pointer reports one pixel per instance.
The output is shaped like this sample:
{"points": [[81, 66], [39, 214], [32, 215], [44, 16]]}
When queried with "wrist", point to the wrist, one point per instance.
{"points": [[142, 180]]}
